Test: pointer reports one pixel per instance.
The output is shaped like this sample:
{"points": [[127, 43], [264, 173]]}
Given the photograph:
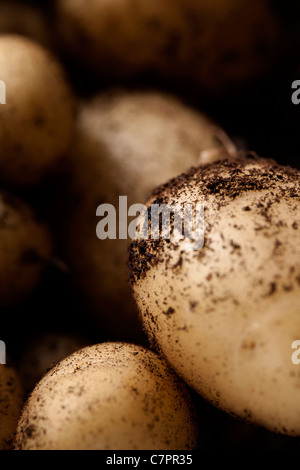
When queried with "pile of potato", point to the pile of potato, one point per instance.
{"points": [[121, 344]]}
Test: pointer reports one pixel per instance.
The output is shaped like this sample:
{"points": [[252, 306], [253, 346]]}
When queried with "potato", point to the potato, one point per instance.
{"points": [[125, 143], [217, 44], [225, 316], [44, 352], [25, 249], [11, 402], [36, 121], [17, 17], [110, 396]]}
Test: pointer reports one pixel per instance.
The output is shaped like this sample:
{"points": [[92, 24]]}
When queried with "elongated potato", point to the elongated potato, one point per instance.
{"points": [[218, 44], [37, 120], [25, 249], [110, 396], [11, 402], [125, 144], [226, 316]]}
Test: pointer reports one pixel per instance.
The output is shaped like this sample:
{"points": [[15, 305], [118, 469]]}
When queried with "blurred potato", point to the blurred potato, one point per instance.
{"points": [[124, 145], [218, 45], [37, 120], [11, 402], [25, 249]]}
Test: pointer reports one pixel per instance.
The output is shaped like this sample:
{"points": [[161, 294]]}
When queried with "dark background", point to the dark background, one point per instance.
{"points": [[261, 118]]}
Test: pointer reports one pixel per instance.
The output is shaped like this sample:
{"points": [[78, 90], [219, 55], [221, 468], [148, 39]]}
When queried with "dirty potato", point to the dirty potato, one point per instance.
{"points": [[226, 315], [111, 396]]}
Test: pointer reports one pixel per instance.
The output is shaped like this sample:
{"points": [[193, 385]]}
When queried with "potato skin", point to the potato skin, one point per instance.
{"points": [[11, 402], [217, 44], [37, 120], [225, 316], [125, 143], [110, 396], [25, 249]]}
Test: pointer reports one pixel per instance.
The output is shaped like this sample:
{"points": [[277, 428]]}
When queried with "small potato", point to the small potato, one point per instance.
{"points": [[25, 249], [125, 144], [226, 315], [11, 402], [43, 353], [37, 120], [218, 45], [110, 396]]}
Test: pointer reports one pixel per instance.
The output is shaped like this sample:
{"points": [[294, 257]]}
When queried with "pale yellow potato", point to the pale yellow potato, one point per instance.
{"points": [[217, 44], [11, 402], [225, 316], [37, 120], [25, 250], [125, 144], [110, 396]]}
